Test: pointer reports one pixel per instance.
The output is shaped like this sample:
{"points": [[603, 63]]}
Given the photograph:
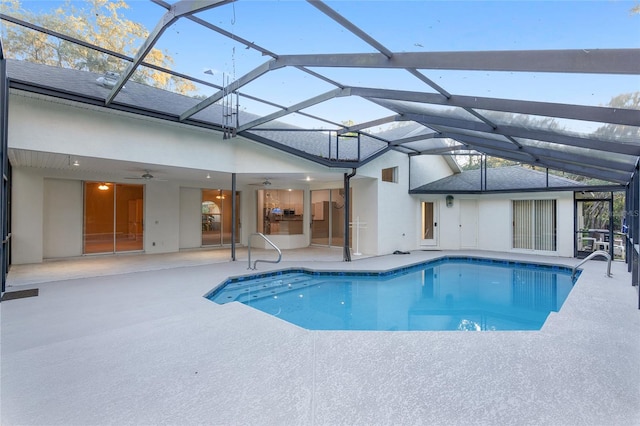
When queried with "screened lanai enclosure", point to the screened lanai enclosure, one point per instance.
{"points": [[316, 80]]}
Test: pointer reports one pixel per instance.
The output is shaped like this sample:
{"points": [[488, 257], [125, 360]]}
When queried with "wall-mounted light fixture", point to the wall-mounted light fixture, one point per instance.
{"points": [[449, 200], [103, 187]]}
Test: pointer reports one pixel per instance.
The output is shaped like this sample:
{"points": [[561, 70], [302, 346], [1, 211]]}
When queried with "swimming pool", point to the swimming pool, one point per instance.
{"points": [[451, 293]]}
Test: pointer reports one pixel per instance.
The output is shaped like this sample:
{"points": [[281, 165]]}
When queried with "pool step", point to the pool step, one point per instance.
{"points": [[262, 287]]}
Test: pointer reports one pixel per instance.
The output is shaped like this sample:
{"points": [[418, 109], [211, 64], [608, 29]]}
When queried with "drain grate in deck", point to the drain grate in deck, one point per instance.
{"points": [[20, 294]]}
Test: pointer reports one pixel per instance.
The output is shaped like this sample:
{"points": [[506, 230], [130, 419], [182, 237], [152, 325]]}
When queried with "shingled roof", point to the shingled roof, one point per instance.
{"points": [[511, 178]]}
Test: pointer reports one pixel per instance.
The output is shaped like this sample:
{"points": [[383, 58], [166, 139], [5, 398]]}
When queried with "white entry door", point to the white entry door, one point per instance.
{"points": [[468, 224], [429, 223]]}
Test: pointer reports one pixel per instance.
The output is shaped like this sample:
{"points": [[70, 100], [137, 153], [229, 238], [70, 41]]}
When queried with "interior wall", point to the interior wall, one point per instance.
{"points": [[62, 223]]}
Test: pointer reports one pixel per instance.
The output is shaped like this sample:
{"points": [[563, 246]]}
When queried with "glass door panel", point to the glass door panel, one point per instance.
{"points": [[129, 216], [429, 224], [337, 217], [113, 217], [320, 217], [227, 217], [99, 221], [327, 217], [217, 218], [211, 216]]}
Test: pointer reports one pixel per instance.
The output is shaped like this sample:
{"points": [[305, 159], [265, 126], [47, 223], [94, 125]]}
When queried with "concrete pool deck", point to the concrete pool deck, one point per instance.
{"points": [[131, 340]]}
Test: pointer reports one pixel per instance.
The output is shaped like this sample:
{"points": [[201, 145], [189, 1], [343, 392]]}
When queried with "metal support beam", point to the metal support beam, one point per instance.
{"points": [[546, 109], [445, 150], [520, 132], [496, 151], [583, 61]]}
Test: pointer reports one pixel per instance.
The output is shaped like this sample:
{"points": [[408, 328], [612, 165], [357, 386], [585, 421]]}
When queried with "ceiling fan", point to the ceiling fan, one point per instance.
{"points": [[146, 176], [265, 182]]}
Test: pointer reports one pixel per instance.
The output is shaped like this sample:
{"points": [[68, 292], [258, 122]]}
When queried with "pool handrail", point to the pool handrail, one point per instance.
{"points": [[262, 260], [591, 256]]}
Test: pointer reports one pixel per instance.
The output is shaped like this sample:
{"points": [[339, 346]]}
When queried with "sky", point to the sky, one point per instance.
{"points": [[296, 27]]}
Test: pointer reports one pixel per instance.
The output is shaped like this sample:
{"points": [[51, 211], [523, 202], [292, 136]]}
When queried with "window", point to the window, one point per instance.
{"points": [[390, 175], [534, 224], [282, 211]]}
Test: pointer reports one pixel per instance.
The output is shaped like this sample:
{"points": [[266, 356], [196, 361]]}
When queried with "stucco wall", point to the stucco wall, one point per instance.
{"points": [[62, 221], [47, 213], [27, 210], [190, 228], [397, 212], [494, 220]]}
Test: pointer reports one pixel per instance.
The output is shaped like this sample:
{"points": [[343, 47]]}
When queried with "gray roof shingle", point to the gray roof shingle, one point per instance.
{"points": [[498, 179]]}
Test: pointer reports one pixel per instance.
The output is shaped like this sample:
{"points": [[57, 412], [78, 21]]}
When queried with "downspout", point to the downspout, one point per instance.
{"points": [[346, 251]]}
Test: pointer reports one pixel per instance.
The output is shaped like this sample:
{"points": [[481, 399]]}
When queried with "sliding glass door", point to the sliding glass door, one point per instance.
{"points": [[327, 217], [113, 217], [217, 219], [534, 225]]}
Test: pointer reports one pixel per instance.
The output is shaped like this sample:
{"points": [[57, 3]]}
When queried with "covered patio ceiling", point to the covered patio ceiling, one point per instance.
{"points": [[356, 101]]}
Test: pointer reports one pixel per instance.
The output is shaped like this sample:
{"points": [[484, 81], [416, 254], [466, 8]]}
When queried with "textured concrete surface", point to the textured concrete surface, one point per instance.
{"points": [[103, 344]]}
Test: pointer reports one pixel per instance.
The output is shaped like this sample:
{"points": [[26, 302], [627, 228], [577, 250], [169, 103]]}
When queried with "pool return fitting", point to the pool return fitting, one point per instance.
{"points": [[591, 256], [262, 260]]}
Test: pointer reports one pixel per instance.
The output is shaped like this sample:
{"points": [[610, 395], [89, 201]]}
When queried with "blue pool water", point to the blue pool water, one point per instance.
{"points": [[465, 294]]}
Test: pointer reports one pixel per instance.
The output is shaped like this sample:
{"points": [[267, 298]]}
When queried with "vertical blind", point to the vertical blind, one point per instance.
{"points": [[534, 224]]}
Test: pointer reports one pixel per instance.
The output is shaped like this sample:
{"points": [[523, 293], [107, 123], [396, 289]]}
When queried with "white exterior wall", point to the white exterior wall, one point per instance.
{"points": [[494, 221], [190, 228], [47, 213], [27, 217], [63, 220], [428, 168], [38, 123], [162, 217], [397, 212]]}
